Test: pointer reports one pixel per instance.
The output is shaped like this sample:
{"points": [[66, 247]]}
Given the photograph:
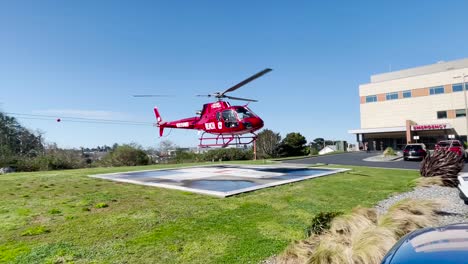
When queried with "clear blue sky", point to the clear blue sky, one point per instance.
{"points": [[86, 58]]}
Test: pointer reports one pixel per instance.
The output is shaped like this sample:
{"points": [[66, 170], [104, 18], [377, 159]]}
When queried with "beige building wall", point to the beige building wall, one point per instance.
{"points": [[421, 107], [414, 82]]}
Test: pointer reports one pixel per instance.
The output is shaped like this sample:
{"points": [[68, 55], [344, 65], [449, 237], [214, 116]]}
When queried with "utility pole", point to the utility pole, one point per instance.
{"points": [[466, 105], [255, 149]]}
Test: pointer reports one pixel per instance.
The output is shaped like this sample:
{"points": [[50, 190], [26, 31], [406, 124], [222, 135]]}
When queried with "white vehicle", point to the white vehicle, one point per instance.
{"points": [[463, 186]]}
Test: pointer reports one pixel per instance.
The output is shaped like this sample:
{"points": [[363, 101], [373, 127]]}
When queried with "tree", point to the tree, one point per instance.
{"points": [[115, 146], [293, 145], [268, 144], [318, 143], [165, 146], [127, 155], [17, 141]]}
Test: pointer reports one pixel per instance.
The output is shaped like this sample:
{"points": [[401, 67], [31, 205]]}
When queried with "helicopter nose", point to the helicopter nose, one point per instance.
{"points": [[253, 123], [259, 123]]}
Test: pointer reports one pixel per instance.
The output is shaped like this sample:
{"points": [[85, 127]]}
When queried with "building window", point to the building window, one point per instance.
{"points": [[458, 87], [460, 112], [371, 98], [406, 94], [437, 90], [441, 114], [392, 96]]}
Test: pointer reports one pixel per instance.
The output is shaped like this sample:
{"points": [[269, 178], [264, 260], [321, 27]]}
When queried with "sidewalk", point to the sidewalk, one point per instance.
{"points": [[382, 158]]}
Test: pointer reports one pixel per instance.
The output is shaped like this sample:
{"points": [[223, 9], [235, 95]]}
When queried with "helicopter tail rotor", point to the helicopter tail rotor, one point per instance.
{"points": [[159, 121]]}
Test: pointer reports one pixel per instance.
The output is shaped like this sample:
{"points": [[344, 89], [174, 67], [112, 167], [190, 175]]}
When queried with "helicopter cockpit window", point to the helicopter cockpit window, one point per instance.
{"points": [[230, 119], [243, 113]]}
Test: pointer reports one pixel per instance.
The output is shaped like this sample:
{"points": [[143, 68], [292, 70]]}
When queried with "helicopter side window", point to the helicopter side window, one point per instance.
{"points": [[230, 119], [243, 113]]}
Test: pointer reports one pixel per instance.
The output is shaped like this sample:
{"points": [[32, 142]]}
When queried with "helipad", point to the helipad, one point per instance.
{"points": [[221, 180]]}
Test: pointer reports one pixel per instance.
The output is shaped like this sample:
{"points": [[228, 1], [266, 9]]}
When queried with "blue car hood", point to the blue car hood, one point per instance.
{"points": [[447, 244]]}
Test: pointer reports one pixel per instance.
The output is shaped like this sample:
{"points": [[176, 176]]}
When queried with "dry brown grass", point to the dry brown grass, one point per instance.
{"points": [[429, 181], [370, 213], [299, 251], [348, 225], [361, 237], [331, 249], [371, 245], [409, 215]]}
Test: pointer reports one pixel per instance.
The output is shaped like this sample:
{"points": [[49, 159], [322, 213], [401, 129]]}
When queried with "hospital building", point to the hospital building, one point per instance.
{"points": [[423, 104]]}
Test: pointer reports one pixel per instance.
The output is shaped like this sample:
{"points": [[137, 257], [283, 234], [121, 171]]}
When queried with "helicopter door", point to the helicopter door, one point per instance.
{"points": [[229, 118]]}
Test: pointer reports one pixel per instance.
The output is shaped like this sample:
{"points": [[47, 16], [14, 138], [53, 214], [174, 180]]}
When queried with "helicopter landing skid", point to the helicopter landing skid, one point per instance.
{"points": [[226, 140]]}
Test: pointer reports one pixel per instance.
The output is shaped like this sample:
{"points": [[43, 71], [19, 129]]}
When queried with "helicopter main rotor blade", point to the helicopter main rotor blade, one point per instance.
{"points": [[240, 99], [246, 81]]}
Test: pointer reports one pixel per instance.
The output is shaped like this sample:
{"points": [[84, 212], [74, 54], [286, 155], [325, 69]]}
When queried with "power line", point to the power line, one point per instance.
{"points": [[79, 119]]}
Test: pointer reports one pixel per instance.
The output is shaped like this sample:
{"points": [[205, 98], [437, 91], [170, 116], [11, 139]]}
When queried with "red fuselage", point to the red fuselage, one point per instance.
{"points": [[217, 118]]}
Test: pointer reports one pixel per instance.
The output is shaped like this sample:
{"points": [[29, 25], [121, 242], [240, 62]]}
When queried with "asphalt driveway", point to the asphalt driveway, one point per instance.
{"points": [[356, 159]]}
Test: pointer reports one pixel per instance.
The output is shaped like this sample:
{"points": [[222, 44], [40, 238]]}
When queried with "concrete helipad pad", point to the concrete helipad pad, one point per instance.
{"points": [[222, 180]]}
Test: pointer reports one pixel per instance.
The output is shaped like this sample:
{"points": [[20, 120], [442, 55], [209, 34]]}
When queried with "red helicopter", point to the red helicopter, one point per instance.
{"points": [[229, 124]]}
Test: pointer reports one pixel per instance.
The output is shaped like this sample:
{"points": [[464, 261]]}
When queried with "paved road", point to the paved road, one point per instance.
{"points": [[356, 159]]}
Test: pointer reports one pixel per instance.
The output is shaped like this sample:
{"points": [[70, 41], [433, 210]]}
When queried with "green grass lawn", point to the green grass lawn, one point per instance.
{"points": [[65, 216]]}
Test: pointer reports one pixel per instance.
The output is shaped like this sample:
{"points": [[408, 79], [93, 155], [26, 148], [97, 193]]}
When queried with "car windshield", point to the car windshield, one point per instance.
{"points": [[444, 144], [243, 113], [413, 147], [456, 144]]}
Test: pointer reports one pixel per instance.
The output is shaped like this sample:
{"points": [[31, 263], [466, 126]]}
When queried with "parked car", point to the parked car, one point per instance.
{"points": [[463, 186], [452, 145], [433, 245], [414, 151]]}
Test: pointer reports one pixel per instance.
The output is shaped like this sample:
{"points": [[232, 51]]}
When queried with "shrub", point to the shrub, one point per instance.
{"points": [[445, 164], [53, 159], [227, 154], [362, 237], [371, 245], [126, 155], [65, 159], [321, 222], [313, 151], [408, 215], [185, 156], [350, 224], [389, 152], [32, 164]]}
